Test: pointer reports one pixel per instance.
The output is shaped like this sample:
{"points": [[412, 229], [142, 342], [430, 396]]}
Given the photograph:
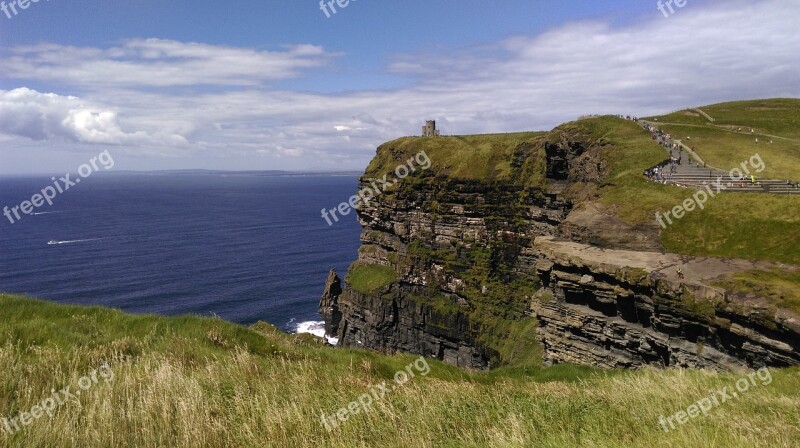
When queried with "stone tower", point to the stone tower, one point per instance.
{"points": [[429, 130]]}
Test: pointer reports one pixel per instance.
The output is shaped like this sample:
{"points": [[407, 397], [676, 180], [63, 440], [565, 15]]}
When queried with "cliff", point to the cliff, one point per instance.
{"points": [[619, 308], [505, 252]]}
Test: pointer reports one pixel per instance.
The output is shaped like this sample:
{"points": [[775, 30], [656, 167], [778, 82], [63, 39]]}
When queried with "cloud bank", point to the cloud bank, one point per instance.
{"points": [[217, 106]]}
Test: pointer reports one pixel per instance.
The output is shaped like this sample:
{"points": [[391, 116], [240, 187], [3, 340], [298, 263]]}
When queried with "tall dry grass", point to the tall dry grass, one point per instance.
{"points": [[194, 382]]}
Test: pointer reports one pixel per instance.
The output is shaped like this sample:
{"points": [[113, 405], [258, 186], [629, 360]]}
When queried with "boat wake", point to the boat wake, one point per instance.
{"points": [[54, 242]]}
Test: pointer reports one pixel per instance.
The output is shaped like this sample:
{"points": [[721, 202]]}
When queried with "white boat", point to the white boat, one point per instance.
{"points": [[52, 242]]}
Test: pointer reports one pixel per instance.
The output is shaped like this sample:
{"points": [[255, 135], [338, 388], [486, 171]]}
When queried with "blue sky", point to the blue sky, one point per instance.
{"points": [[278, 85], [366, 33]]}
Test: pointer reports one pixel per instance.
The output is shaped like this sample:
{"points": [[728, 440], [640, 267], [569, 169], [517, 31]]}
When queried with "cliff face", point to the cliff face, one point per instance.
{"points": [[462, 276], [482, 272], [618, 308]]}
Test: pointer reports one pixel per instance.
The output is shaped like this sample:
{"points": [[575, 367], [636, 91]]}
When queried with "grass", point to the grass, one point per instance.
{"points": [[740, 225], [726, 149], [368, 278], [473, 157], [520, 347], [440, 304], [721, 145], [779, 116], [191, 381], [725, 228]]}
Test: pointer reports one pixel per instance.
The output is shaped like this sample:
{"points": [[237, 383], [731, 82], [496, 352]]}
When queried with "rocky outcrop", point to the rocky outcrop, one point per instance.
{"points": [[329, 303], [390, 321], [482, 273], [431, 236], [616, 308], [592, 223]]}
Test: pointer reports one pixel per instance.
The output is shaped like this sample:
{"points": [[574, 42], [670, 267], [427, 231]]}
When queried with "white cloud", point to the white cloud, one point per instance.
{"points": [[47, 116], [702, 54], [160, 63]]}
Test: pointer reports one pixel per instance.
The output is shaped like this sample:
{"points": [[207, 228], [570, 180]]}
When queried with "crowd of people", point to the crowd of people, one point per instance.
{"points": [[657, 174], [664, 172], [665, 140]]}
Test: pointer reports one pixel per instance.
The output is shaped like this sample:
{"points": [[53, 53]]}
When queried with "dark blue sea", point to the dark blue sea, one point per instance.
{"points": [[244, 247]]}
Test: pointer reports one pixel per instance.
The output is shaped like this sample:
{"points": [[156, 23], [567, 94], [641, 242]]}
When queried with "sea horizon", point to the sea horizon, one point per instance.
{"points": [[140, 243]]}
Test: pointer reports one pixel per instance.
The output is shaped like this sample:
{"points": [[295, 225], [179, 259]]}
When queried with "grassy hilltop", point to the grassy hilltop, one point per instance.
{"points": [[733, 225], [485, 158], [722, 135], [192, 382]]}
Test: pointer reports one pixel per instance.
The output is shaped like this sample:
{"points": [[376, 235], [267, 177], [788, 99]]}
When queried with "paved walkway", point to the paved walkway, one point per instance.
{"points": [[685, 168], [724, 129], [708, 117]]}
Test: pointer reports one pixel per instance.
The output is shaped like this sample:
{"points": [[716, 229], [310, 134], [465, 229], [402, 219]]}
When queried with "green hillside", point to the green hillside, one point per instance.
{"points": [[485, 157], [727, 141], [733, 225], [192, 382]]}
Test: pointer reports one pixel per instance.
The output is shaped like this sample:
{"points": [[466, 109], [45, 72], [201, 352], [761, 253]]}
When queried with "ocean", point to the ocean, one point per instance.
{"points": [[244, 247]]}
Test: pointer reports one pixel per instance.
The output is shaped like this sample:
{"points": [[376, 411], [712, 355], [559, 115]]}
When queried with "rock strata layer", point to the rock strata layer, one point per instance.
{"points": [[486, 273], [615, 308]]}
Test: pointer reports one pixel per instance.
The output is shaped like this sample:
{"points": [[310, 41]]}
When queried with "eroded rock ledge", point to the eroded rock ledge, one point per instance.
{"points": [[617, 308]]}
